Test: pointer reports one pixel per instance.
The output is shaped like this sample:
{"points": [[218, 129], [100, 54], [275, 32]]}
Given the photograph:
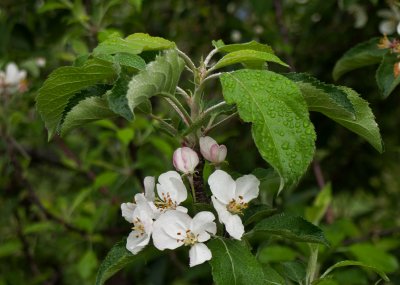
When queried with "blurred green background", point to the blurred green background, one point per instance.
{"points": [[59, 202]]}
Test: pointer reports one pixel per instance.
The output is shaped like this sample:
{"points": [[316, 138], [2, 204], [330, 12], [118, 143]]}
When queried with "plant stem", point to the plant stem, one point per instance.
{"points": [[209, 56], [177, 107], [188, 61], [183, 93], [219, 123], [312, 264]]}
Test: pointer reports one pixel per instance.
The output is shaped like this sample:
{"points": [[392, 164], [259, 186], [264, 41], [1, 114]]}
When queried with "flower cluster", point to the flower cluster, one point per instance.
{"points": [[163, 218], [13, 80]]}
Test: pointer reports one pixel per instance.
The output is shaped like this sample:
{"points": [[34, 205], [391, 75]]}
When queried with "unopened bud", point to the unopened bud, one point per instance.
{"points": [[185, 160], [212, 151]]}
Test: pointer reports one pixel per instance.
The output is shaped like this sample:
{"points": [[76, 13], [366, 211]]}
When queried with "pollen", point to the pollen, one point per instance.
{"points": [[189, 239], [165, 202], [139, 227], [237, 206]]}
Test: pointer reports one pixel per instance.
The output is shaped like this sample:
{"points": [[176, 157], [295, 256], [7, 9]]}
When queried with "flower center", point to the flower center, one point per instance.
{"points": [[237, 206], [139, 227], [165, 203], [189, 239]]}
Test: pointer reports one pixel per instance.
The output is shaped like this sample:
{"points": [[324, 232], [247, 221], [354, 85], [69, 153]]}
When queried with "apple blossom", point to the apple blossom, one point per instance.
{"points": [[185, 160], [13, 79], [170, 190], [141, 215], [211, 150], [174, 229], [231, 197]]}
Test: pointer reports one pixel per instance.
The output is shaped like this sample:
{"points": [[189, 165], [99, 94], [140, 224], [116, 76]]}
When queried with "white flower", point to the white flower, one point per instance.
{"points": [[185, 160], [141, 216], [391, 22], [174, 229], [40, 62], [13, 79], [171, 192], [231, 197], [212, 151]]}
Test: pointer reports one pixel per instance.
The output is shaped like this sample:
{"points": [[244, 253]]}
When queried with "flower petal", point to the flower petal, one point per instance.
{"points": [[206, 144], [149, 185], [222, 151], [203, 222], [181, 209], [222, 211], [198, 254], [247, 187], [222, 186], [127, 210], [170, 183], [169, 229], [12, 74], [136, 242], [234, 227]]}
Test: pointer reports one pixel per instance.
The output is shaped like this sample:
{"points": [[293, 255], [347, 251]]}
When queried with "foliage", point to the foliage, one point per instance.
{"points": [[108, 98]]}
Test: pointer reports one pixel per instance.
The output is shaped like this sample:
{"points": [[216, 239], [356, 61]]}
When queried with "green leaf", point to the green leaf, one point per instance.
{"points": [[10, 248], [291, 227], [363, 54], [86, 111], [87, 264], [325, 281], [375, 257], [294, 270], [117, 99], [125, 136], [281, 128], [133, 44], [364, 125], [118, 257], [327, 99], [355, 263], [63, 83], [132, 61], [160, 76], [233, 264], [247, 55], [271, 277], [253, 45], [385, 76], [321, 203], [255, 213], [276, 253]]}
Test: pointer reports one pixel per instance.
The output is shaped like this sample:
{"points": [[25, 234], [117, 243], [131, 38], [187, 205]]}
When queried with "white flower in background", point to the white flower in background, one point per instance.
{"points": [[141, 215], [174, 229], [185, 160], [391, 20], [231, 197], [171, 192], [40, 62], [360, 15], [13, 79], [212, 151]]}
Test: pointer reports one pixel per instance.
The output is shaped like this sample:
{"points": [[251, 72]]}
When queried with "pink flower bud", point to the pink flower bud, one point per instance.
{"points": [[185, 160], [211, 150]]}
